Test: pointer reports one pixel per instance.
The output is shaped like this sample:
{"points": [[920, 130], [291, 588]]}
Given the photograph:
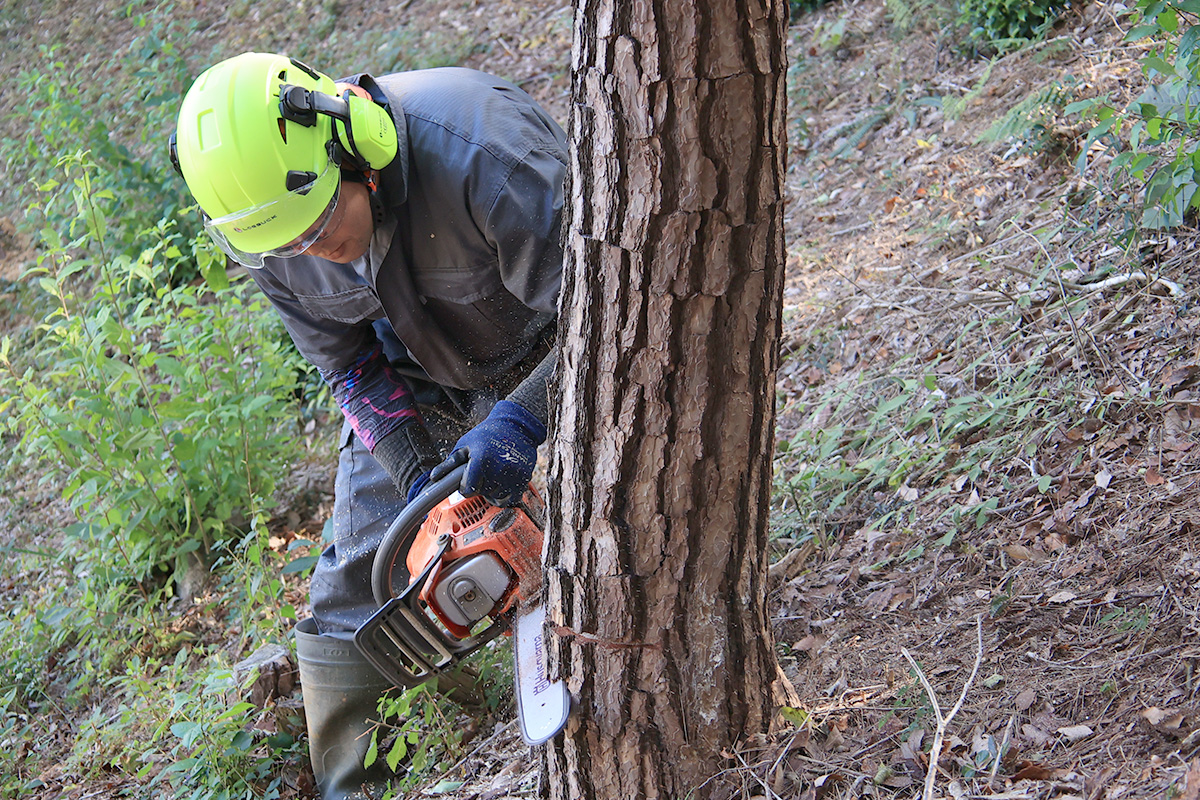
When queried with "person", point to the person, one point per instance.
{"points": [[406, 229]]}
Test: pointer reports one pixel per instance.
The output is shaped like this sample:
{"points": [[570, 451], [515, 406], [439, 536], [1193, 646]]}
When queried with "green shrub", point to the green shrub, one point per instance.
{"points": [[798, 7], [1157, 136], [1007, 24], [121, 121], [164, 410]]}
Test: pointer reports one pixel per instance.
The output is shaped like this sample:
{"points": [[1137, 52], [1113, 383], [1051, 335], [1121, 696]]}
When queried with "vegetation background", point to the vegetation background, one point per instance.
{"points": [[987, 579]]}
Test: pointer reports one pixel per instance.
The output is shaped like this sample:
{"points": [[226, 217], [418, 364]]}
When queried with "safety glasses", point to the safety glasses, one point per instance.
{"points": [[263, 211]]}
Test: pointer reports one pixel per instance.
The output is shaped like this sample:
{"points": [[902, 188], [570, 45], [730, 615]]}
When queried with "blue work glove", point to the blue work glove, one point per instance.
{"points": [[418, 485], [500, 454]]}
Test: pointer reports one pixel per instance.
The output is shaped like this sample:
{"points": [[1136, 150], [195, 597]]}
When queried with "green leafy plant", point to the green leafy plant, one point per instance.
{"points": [[909, 14], [68, 113], [420, 733], [1157, 137], [798, 7], [1031, 123], [1127, 619], [911, 703], [868, 446], [215, 753], [1008, 24], [416, 736], [163, 405]]}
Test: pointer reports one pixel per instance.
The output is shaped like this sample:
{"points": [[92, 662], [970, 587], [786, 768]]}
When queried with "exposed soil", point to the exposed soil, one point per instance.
{"points": [[1072, 609]]}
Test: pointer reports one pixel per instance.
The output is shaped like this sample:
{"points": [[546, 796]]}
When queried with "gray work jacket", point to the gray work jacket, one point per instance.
{"points": [[470, 280]]}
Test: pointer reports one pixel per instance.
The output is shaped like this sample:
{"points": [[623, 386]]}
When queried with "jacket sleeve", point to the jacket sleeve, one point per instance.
{"points": [[376, 401], [524, 225]]}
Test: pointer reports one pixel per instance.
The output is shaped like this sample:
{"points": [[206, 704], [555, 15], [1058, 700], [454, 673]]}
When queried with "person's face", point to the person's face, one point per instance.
{"points": [[348, 234]]}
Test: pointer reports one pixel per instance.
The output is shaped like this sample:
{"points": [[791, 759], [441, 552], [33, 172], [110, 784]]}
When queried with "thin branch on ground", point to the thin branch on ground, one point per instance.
{"points": [[943, 721]]}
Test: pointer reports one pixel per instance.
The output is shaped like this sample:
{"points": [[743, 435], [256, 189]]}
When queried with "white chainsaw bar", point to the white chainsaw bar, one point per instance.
{"points": [[542, 705]]}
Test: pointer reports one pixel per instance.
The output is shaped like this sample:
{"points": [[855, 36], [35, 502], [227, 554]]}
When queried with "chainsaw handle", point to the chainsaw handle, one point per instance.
{"points": [[399, 537]]}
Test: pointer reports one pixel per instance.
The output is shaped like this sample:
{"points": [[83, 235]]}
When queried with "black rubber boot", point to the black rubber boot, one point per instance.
{"points": [[341, 695]]}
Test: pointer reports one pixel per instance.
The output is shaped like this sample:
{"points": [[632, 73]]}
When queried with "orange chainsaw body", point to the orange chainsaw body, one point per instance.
{"points": [[499, 547]]}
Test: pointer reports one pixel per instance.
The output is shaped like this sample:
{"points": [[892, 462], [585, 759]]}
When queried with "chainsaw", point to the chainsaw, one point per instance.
{"points": [[478, 573]]}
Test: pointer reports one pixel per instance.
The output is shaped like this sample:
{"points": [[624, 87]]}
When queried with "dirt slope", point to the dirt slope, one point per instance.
{"points": [[1084, 593]]}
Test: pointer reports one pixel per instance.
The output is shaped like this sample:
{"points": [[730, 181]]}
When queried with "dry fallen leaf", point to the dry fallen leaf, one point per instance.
{"points": [[1029, 771], [1167, 721], [1152, 477], [823, 784], [1018, 552], [835, 740], [1055, 542], [1179, 376], [910, 749], [810, 644], [1063, 597], [1191, 790], [1075, 733], [1103, 479], [1025, 699], [1036, 735]]}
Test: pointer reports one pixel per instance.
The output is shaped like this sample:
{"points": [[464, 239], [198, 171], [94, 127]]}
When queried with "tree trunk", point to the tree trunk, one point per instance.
{"points": [[661, 469]]}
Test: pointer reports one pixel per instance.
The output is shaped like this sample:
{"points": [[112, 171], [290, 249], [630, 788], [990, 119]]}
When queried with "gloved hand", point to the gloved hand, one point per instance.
{"points": [[418, 485], [500, 454]]}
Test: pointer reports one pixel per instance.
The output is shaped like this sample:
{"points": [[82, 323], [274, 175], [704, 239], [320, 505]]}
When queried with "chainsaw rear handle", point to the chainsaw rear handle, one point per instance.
{"points": [[399, 537]]}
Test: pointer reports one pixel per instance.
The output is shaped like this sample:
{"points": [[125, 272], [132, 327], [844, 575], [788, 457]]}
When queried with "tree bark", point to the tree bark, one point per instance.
{"points": [[660, 471]]}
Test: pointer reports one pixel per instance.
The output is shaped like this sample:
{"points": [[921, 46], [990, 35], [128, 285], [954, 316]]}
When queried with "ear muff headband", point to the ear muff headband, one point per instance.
{"points": [[366, 133]]}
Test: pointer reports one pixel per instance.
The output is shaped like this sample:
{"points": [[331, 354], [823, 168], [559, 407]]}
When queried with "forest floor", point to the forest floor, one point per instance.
{"points": [[1036, 563]]}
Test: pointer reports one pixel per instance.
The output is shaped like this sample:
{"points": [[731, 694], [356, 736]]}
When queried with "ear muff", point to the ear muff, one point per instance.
{"points": [[363, 128], [370, 132]]}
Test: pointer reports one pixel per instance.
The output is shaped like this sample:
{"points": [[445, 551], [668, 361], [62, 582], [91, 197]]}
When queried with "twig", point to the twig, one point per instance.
{"points": [[1173, 288], [935, 750], [500, 729], [1000, 752], [761, 781], [878, 302], [853, 229]]}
